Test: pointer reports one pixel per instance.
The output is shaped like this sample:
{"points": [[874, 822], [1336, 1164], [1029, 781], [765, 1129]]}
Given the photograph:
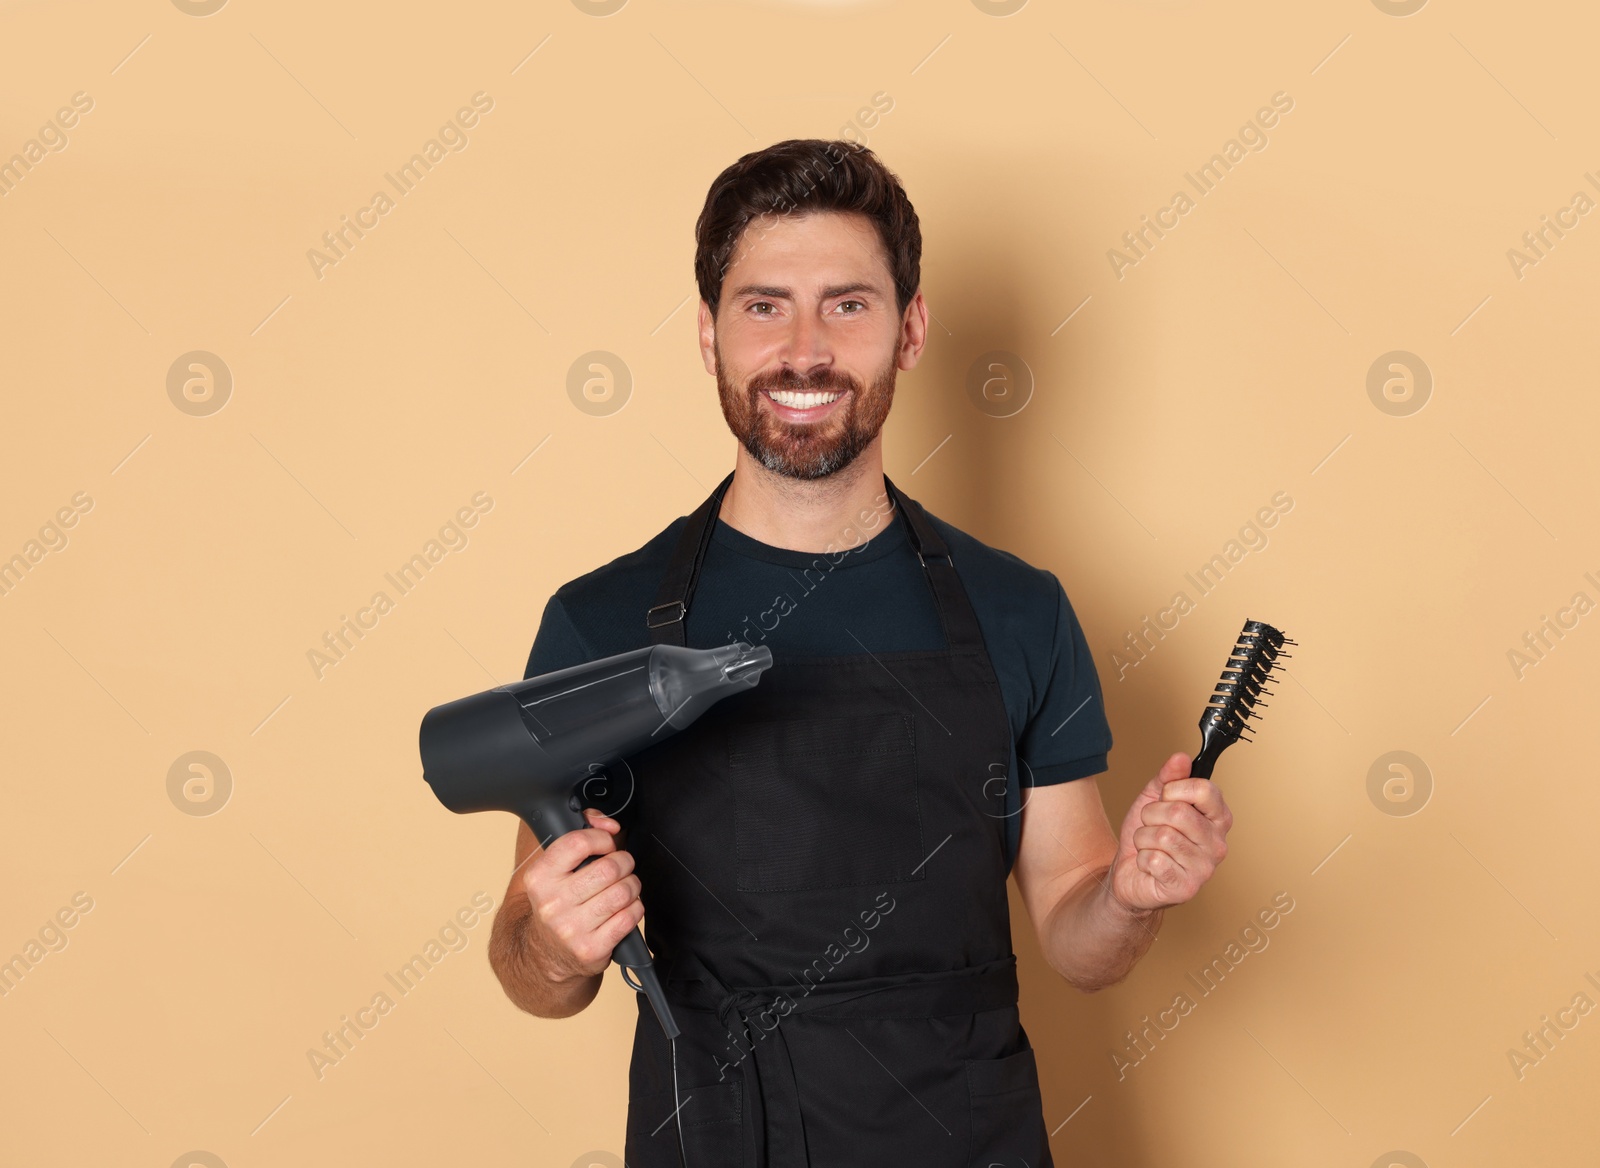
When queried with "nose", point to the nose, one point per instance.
{"points": [[805, 351]]}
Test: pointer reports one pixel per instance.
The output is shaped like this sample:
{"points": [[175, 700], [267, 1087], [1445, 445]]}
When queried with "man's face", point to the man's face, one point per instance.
{"points": [[807, 342]]}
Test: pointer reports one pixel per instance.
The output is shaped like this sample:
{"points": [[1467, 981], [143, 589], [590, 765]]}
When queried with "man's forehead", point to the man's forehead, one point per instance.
{"points": [[818, 246]]}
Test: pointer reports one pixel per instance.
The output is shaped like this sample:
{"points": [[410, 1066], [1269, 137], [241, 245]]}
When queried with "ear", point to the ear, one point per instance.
{"points": [[707, 326], [913, 332]]}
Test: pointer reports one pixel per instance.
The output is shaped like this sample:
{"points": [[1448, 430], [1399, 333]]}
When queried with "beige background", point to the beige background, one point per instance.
{"points": [[431, 363]]}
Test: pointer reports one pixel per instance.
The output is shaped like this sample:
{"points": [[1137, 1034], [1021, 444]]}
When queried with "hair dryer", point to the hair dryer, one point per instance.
{"points": [[530, 747]]}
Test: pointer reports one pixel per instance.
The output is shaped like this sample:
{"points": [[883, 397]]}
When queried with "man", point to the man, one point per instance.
{"points": [[824, 857]]}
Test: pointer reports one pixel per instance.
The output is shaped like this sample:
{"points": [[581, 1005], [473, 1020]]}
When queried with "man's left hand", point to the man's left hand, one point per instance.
{"points": [[1172, 840]]}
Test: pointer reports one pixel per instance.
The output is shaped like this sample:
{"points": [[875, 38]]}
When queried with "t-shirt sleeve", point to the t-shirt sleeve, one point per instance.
{"points": [[1068, 736], [557, 644]]}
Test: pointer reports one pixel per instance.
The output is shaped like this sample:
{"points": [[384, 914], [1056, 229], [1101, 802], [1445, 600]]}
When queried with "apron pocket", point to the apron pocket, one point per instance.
{"points": [[1007, 1112], [712, 1127], [825, 802]]}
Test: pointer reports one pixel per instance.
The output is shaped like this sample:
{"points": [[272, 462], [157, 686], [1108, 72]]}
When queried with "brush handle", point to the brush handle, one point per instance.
{"points": [[1212, 743], [552, 820]]}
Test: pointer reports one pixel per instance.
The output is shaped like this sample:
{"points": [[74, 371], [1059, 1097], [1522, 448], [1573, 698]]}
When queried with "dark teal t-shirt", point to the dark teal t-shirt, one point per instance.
{"points": [[872, 598]]}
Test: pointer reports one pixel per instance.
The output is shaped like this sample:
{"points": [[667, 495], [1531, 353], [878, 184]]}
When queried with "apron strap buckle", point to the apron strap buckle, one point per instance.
{"points": [[676, 608]]}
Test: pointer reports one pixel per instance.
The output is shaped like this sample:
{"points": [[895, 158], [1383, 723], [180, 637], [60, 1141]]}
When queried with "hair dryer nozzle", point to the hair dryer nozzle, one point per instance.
{"points": [[687, 682], [749, 665]]}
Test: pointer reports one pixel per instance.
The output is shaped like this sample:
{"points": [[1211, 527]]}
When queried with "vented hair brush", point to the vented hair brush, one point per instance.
{"points": [[1238, 694]]}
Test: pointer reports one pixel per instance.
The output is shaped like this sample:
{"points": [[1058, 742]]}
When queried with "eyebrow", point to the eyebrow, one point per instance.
{"points": [[778, 293]]}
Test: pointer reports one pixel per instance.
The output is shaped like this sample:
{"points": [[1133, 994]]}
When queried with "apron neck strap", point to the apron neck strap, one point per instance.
{"points": [[960, 623], [668, 618]]}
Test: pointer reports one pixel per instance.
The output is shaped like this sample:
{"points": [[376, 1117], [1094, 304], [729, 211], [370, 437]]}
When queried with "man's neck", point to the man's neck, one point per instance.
{"points": [[799, 514]]}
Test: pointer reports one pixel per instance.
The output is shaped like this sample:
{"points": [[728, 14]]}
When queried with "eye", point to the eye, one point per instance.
{"points": [[763, 304], [858, 303]]}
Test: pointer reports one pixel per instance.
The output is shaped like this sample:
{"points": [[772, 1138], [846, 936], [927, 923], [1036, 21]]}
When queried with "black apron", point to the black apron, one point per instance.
{"points": [[824, 879]]}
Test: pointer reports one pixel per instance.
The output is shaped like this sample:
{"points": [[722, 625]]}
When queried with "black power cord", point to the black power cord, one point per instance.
{"points": [[629, 979], [677, 1106]]}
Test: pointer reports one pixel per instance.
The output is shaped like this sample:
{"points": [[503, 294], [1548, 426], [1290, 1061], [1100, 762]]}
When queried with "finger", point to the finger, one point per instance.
{"points": [[1205, 795], [1160, 867], [601, 820], [593, 879], [1204, 843], [1183, 816], [1176, 767], [1166, 838], [609, 901], [610, 934], [572, 849]]}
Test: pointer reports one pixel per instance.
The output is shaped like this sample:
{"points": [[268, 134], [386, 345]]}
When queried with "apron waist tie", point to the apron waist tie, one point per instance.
{"points": [[753, 1015]]}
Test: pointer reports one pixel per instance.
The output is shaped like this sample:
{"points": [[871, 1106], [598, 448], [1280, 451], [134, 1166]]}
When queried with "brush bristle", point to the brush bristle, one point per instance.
{"points": [[1244, 680]]}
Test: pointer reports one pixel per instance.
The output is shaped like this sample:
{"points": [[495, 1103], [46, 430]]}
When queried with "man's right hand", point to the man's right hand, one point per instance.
{"points": [[578, 915]]}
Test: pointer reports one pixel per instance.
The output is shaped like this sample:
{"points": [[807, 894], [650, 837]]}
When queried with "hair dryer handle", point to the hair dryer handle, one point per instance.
{"points": [[550, 820], [548, 823], [634, 958]]}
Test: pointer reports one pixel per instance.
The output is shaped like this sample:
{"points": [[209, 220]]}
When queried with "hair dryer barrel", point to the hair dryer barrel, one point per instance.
{"points": [[477, 756], [532, 741], [619, 705]]}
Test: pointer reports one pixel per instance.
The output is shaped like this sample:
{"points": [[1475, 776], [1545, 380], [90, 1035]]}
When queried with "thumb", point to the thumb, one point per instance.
{"points": [[1176, 767]]}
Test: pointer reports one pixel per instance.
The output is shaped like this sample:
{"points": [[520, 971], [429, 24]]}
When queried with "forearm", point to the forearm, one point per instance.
{"points": [[1092, 939], [528, 986]]}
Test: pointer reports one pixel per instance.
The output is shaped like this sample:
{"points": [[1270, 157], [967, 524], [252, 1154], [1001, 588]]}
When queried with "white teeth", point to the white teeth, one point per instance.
{"points": [[800, 401]]}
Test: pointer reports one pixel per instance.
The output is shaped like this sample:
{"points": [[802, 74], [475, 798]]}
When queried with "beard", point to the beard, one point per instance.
{"points": [[806, 450]]}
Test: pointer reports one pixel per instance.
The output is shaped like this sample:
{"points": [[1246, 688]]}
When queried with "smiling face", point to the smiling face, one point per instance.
{"points": [[807, 341]]}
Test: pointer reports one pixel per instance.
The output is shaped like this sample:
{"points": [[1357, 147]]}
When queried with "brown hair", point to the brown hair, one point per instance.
{"points": [[802, 175]]}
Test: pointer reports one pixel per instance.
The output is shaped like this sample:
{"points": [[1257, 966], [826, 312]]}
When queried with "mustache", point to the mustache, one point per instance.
{"points": [[826, 379]]}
